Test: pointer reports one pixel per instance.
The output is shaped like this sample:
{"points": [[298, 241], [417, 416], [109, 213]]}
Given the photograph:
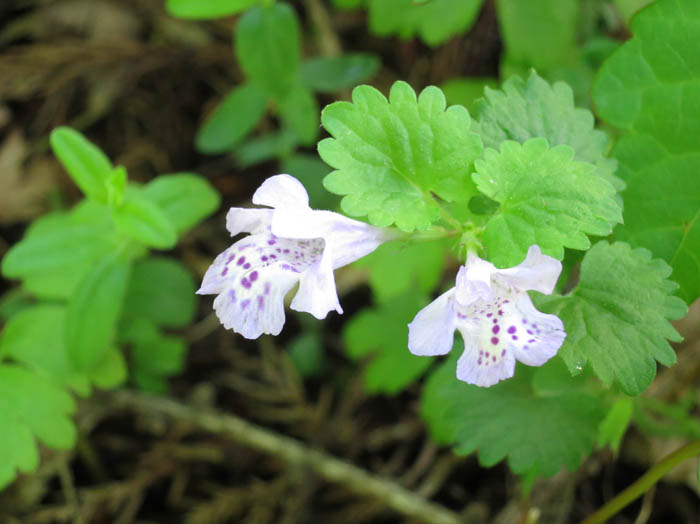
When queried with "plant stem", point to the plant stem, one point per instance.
{"points": [[294, 453], [644, 483]]}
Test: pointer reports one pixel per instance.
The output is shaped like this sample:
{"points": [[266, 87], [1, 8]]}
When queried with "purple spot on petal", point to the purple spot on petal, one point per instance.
{"points": [[223, 273], [245, 283], [285, 250], [261, 302], [515, 337], [230, 259], [524, 321], [232, 296], [495, 329], [495, 321], [525, 348], [273, 256], [511, 330], [253, 276], [240, 261], [503, 353], [529, 332], [264, 258], [488, 354], [494, 340], [479, 362], [500, 312], [489, 315], [494, 358], [531, 341], [271, 242], [267, 288], [246, 266], [245, 303]]}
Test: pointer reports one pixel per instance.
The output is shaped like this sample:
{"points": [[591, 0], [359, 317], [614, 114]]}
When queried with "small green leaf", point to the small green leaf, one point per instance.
{"points": [[511, 420], [206, 9], [382, 333], [390, 155], [306, 353], [185, 198], [60, 248], [533, 108], [465, 91], [299, 111], [162, 290], [616, 318], [395, 268], [650, 87], [154, 356], [267, 147], [143, 221], [31, 407], [615, 423], [268, 47], [329, 74], [86, 164], [539, 34], [547, 198], [433, 21], [235, 116], [116, 186], [93, 312]]}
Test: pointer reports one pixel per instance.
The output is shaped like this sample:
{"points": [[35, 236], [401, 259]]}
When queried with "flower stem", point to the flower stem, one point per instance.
{"points": [[644, 483]]}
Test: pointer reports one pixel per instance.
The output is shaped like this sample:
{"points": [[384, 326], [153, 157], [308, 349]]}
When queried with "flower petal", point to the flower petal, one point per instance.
{"points": [[482, 366], [259, 308], [534, 337], [474, 281], [239, 220], [539, 272], [317, 294], [432, 330], [281, 191]]}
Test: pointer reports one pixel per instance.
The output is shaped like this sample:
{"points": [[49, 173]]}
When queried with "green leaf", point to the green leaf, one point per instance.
{"points": [[547, 198], [390, 155], [382, 334], [154, 356], [267, 147], [628, 8], [310, 170], [143, 221], [93, 312], [650, 87], [267, 46], [396, 268], [615, 423], [434, 21], [86, 164], [185, 198], [58, 249], [35, 337], [538, 34], [299, 111], [616, 318], [232, 119], [534, 108], [465, 91], [206, 9], [31, 407], [329, 74], [162, 290], [306, 353], [540, 431], [116, 186]]}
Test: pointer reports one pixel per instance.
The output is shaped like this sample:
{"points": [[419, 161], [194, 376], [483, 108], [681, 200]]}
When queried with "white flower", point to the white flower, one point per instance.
{"points": [[288, 244], [493, 312]]}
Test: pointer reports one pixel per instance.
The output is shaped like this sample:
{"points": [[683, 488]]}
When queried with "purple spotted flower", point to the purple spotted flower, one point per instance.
{"points": [[287, 244], [493, 312]]}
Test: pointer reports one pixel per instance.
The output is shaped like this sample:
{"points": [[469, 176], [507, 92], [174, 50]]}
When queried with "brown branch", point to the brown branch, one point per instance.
{"points": [[294, 453]]}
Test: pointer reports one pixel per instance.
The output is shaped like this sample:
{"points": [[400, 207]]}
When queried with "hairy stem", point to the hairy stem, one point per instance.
{"points": [[294, 453], [644, 483]]}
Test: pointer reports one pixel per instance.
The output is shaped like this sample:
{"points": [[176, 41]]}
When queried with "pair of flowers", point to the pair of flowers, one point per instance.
{"points": [[289, 242]]}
